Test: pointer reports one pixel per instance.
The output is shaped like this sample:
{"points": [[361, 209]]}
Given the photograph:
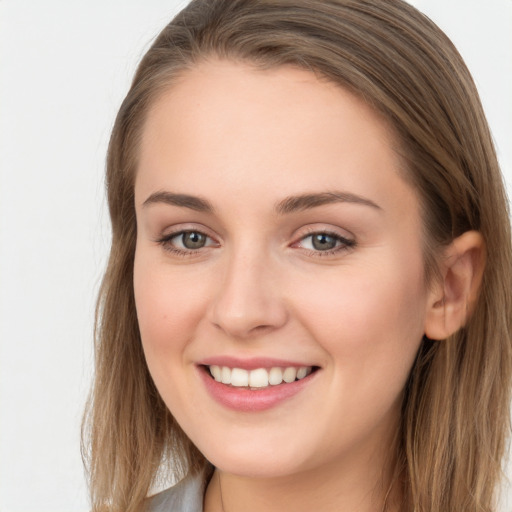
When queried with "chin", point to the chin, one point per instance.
{"points": [[256, 460]]}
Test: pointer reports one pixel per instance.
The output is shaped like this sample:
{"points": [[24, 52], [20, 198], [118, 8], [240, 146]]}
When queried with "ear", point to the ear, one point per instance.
{"points": [[453, 297]]}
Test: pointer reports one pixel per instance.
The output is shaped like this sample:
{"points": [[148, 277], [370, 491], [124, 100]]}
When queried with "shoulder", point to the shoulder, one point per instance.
{"points": [[185, 496]]}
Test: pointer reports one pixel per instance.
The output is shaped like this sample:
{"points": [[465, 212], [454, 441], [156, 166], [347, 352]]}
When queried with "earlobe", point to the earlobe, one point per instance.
{"points": [[453, 298]]}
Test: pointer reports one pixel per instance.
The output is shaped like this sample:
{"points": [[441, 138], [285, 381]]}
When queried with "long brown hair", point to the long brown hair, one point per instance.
{"points": [[455, 414]]}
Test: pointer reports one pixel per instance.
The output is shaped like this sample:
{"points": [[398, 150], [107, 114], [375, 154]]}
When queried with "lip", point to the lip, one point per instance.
{"points": [[247, 400]]}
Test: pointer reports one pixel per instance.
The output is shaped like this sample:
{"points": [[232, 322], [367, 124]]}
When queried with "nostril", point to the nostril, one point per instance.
{"points": [[247, 302]]}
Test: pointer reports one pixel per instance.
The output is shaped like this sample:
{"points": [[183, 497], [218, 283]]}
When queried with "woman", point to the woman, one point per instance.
{"points": [[307, 303]]}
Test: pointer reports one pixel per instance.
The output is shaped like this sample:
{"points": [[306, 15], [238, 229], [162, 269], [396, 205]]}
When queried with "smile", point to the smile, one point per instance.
{"points": [[254, 385], [259, 377]]}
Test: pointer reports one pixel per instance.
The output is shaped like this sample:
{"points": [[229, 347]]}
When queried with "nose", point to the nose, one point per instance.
{"points": [[248, 301]]}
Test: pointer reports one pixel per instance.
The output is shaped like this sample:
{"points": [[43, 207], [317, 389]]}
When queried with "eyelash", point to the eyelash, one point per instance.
{"points": [[166, 242], [345, 244]]}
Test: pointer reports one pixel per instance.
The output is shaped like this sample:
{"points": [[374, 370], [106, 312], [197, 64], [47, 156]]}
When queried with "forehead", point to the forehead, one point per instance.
{"points": [[285, 128], [220, 89]]}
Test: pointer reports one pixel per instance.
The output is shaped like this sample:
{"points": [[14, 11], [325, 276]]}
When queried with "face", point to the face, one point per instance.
{"points": [[278, 272]]}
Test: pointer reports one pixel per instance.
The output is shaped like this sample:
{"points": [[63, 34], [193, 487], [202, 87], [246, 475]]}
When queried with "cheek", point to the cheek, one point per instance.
{"points": [[167, 309], [367, 312], [370, 324]]}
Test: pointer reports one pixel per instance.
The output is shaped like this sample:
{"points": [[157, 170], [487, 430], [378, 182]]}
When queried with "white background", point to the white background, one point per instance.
{"points": [[65, 67]]}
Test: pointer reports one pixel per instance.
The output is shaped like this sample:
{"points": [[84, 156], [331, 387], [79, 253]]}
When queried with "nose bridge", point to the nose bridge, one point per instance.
{"points": [[248, 299]]}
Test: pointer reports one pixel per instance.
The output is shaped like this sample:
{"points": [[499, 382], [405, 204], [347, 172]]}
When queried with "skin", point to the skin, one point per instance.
{"points": [[243, 140]]}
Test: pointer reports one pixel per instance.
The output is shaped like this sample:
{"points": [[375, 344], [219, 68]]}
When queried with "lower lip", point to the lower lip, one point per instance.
{"points": [[252, 400]]}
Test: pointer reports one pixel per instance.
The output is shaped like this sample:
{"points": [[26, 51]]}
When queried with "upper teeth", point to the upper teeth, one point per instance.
{"points": [[259, 378]]}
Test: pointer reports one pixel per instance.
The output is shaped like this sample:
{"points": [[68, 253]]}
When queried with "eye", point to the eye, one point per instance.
{"points": [[325, 242], [322, 241], [186, 242], [190, 240]]}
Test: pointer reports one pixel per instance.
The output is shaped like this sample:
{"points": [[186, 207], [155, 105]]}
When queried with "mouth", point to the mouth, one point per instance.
{"points": [[258, 378], [255, 384]]}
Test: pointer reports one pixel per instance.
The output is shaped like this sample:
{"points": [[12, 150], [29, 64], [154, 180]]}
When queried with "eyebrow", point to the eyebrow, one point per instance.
{"points": [[287, 205], [306, 201], [183, 200]]}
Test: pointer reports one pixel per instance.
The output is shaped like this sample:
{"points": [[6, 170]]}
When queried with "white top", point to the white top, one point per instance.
{"points": [[185, 496]]}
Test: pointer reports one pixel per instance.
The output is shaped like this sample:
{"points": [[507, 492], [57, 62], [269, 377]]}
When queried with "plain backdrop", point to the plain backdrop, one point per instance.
{"points": [[65, 67]]}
